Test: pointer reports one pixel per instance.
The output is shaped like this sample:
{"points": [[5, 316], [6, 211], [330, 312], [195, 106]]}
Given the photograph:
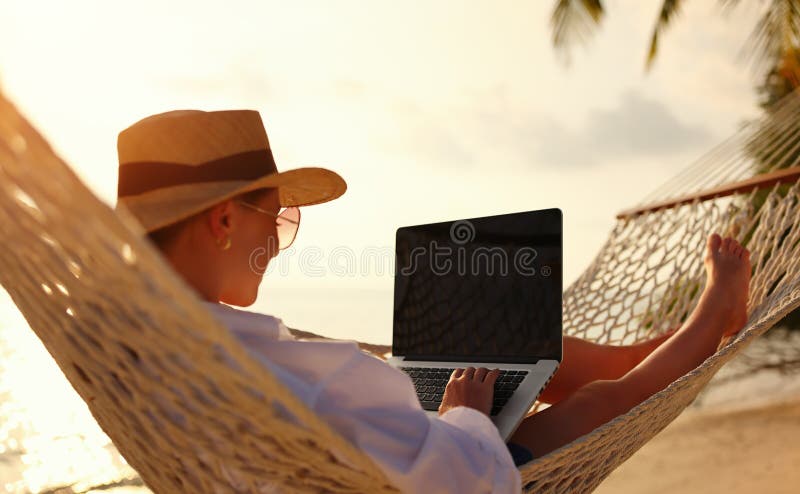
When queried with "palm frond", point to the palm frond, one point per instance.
{"points": [[780, 80], [574, 21], [776, 35], [669, 10], [728, 4]]}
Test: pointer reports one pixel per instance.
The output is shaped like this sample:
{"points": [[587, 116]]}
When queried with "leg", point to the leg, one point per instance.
{"points": [[584, 362], [721, 311]]}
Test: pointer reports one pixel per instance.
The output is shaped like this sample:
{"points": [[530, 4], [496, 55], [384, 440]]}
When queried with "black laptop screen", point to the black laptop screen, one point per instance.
{"points": [[483, 289]]}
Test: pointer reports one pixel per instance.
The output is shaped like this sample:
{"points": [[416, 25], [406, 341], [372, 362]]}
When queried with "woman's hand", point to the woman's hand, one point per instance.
{"points": [[470, 388]]}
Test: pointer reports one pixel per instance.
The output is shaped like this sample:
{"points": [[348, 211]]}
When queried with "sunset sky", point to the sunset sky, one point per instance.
{"points": [[430, 110]]}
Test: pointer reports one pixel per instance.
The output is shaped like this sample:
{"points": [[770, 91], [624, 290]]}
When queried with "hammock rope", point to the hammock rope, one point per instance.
{"points": [[190, 410]]}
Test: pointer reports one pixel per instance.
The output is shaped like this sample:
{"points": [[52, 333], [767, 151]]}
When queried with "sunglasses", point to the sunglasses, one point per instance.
{"points": [[287, 222]]}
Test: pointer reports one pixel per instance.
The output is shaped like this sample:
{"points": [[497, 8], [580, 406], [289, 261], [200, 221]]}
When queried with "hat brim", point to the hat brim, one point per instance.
{"points": [[299, 187]]}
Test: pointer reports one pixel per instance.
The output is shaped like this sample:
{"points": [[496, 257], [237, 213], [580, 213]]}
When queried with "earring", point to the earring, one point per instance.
{"points": [[226, 245]]}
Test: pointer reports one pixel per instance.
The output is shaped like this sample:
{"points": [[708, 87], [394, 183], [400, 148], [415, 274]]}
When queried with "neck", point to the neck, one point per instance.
{"points": [[195, 268]]}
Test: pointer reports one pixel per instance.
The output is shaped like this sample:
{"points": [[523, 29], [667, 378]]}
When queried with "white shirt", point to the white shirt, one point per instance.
{"points": [[376, 408]]}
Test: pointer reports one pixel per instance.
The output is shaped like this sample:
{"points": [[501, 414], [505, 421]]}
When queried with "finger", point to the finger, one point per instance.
{"points": [[457, 373], [492, 376], [480, 374], [469, 372]]}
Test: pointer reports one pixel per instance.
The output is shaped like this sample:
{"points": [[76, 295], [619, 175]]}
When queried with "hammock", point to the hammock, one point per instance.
{"points": [[191, 411]]}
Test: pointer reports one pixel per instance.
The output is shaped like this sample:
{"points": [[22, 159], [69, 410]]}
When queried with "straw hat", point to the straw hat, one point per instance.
{"points": [[173, 165]]}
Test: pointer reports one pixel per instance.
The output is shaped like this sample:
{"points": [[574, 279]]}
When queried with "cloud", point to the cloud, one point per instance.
{"points": [[494, 129], [637, 127]]}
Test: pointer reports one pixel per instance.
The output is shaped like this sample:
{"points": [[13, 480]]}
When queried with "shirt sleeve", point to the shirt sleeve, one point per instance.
{"points": [[375, 406]]}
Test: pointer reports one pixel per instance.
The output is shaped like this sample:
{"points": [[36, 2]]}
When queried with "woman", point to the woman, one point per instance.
{"points": [[205, 187]]}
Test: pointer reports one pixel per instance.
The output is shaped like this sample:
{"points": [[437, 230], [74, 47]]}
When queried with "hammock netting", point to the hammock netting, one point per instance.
{"points": [[192, 411]]}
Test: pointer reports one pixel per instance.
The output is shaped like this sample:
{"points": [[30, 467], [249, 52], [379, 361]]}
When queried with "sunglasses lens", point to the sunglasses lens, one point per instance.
{"points": [[288, 222]]}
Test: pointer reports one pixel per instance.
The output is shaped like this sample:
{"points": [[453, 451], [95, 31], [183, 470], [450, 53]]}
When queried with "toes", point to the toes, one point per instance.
{"points": [[726, 245], [714, 241], [737, 250]]}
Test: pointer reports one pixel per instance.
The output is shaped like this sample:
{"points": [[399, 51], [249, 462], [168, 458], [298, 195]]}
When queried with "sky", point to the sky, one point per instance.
{"points": [[431, 111]]}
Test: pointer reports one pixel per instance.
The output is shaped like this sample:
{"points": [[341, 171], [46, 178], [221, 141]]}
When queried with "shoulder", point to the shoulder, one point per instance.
{"points": [[245, 321]]}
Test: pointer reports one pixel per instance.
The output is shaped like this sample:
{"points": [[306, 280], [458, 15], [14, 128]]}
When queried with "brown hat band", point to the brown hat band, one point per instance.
{"points": [[144, 176]]}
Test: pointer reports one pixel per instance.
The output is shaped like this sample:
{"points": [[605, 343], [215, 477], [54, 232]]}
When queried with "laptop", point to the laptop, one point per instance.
{"points": [[480, 292]]}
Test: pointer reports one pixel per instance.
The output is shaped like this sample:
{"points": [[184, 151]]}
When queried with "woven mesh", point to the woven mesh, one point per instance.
{"points": [[184, 403], [649, 275], [191, 411]]}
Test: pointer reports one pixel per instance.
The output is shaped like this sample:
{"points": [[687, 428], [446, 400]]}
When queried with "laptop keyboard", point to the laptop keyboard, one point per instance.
{"points": [[431, 381]]}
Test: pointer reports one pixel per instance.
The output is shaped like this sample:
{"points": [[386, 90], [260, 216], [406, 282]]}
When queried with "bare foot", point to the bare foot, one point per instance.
{"points": [[728, 281]]}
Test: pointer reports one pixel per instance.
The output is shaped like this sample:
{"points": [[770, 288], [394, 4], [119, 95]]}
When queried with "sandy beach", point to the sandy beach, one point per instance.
{"points": [[756, 449], [741, 435]]}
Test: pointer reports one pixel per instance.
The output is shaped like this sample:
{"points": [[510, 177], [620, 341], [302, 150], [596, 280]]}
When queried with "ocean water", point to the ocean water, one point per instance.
{"points": [[49, 441], [48, 437], [344, 312]]}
